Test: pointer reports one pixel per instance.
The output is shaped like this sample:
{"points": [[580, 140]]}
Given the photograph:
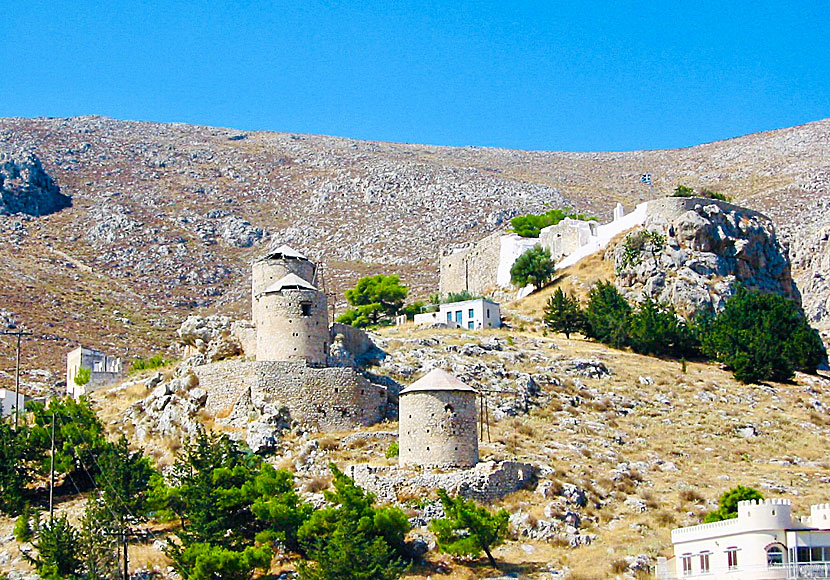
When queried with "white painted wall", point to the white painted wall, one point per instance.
{"points": [[7, 402], [471, 314], [759, 526], [512, 246]]}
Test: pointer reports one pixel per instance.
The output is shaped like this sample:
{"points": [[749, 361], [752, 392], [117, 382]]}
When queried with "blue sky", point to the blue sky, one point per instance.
{"points": [[575, 76]]}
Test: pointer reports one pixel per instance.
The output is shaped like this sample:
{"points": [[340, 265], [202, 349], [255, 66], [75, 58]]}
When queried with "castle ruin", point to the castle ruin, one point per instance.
{"points": [[293, 370]]}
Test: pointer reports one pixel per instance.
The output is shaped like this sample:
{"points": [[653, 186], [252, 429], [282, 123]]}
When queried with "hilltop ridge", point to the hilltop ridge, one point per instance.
{"points": [[166, 217]]}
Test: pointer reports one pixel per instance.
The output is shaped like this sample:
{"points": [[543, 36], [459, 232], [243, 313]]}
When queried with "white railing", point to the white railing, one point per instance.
{"points": [[796, 571]]}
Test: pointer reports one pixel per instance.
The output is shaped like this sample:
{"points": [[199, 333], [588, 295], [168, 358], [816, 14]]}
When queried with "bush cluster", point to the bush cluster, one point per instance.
{"points": [[684, 191], [529, 226], [758, 336]]}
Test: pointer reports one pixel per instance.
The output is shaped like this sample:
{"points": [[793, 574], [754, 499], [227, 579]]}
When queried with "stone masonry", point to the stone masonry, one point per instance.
{"points": [[486, 482], [325, 399]]}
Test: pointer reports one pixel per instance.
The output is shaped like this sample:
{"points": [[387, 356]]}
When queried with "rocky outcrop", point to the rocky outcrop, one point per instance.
{"points": [[26, 188], [212, 336], [699, 255], [810, 253]]}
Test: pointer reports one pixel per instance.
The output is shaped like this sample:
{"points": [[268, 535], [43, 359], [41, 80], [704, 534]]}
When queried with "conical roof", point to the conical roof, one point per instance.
{"points": [[289, 281], [283, 252], [437, 380]]}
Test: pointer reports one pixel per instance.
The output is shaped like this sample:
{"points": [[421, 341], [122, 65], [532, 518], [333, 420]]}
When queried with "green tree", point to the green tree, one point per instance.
{"points": [[98, 542], [607, 315], [124, 480], [351, 539], [210, 491], [385, 290], [82, 376], [58, 551], [728, 504], [79, 437], [278, 507], [656, 329], [361, 316], [410, 310], [534, 267], [23, 531], [562, 313], [15, 454], [206, 561], [468, 529], [762, 337]]}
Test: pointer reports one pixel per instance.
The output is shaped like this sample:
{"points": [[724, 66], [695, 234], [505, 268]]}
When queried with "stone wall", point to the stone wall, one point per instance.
{"points": [[486, 482], [325, 399], [473, 268], [438, 429], [566, 237]]}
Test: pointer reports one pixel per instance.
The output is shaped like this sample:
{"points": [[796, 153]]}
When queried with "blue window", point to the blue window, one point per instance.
{"points": [[449, 316], [470, 313], [470, 325], [458, 316]]}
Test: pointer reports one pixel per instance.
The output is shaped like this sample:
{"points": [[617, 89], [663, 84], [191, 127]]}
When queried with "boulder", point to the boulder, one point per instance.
{"points": [[26, 188]]}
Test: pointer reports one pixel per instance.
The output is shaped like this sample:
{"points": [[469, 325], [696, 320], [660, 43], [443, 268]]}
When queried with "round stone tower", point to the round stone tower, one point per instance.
{"points": [[438, 422], [275, 265], [292, 322]]}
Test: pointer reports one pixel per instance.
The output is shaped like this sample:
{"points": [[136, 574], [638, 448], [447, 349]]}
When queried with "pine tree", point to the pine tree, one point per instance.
{"points": [[468, 529], [562, 313]]}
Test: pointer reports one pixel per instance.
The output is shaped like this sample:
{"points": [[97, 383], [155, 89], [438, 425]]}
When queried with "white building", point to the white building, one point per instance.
{"points": [[471, 314], [764, 542], [7, 402], [105, 370]]}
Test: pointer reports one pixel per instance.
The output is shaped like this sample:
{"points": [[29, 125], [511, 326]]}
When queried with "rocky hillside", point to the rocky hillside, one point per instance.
{"points": [[624, 447], [166, 218]]}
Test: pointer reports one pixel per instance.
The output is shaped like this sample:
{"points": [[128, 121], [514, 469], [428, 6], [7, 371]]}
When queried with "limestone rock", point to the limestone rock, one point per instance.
{"points": [[707, 251], [26, 188], [210, 335]]}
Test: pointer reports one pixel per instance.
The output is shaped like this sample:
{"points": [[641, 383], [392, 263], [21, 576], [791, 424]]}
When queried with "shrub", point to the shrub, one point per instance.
{"points": [[683, 191], [460, 297], [153, 362], [82, 376], [636, 244], [529, 226], [534, 267], [393, 450], [728, 503], [762, 336]]}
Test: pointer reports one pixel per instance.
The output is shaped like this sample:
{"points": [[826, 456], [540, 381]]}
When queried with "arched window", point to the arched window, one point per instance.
{"points": [[775, 556]]}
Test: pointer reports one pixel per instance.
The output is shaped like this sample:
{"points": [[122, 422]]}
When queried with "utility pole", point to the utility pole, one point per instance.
{"points": [[52, 474], [124, 535], [18, 334]]}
